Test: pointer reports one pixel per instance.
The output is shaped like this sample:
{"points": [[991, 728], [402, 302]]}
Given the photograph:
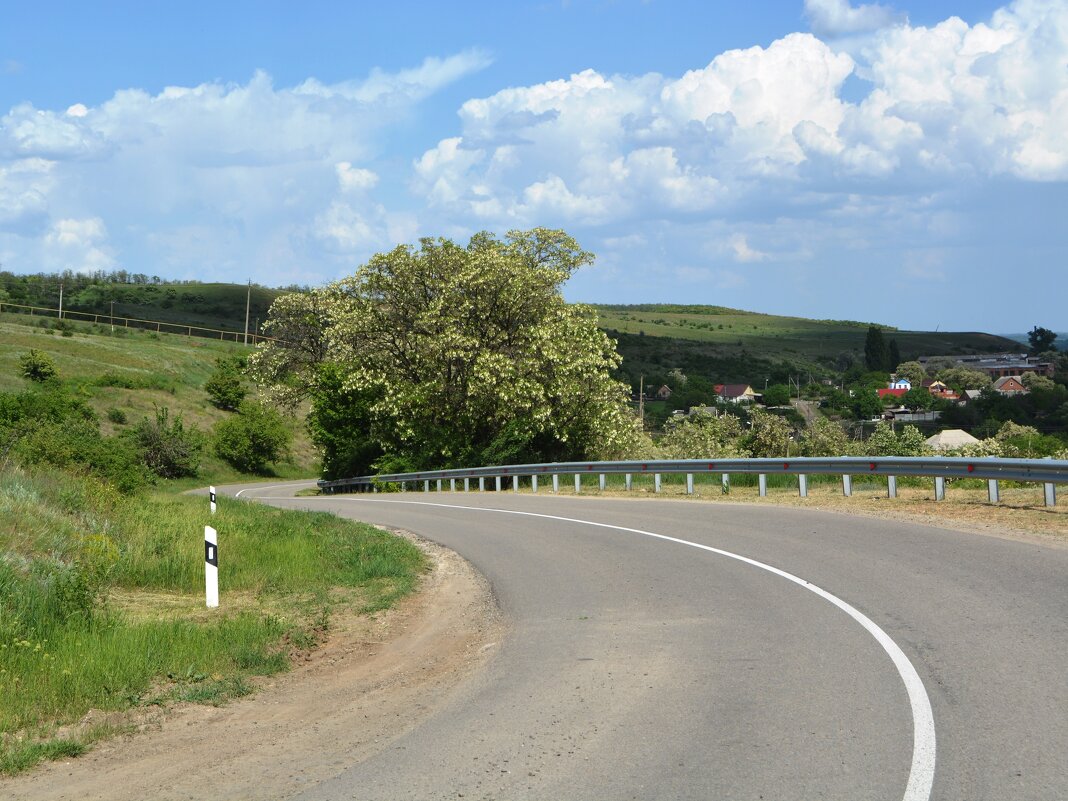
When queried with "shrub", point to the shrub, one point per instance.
{"points": [[117, 416], [37, 366], [251, 439], [169, 449], [224, 385]]}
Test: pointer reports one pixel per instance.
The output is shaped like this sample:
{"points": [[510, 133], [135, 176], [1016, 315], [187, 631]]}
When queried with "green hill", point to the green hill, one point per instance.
{"points": [[212, 305], [721, 343], [134, 371], [731, 345], [773, 336]]}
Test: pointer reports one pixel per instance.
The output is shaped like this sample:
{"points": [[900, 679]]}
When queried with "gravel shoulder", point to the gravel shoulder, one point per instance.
{"points": [[375, 679]]}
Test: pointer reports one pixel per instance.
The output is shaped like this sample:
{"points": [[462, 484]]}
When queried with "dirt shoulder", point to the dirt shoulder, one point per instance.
{"points": [[374, 680]]}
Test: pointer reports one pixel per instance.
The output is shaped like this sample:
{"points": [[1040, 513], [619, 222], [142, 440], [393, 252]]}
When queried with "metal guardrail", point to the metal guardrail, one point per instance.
{"points": [[1048, 472]]}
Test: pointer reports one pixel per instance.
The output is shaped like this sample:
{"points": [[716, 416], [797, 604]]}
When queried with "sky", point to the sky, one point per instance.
{"points": [[904, 163]]}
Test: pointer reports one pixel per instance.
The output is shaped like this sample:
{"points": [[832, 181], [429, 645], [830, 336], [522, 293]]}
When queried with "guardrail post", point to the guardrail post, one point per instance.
{"points": [[426, 485], [802, 485], [992, 490], [600, 482], [498, 483], [404, 486], [689, 483], [556, 484], [627, 480], [891, 486], [439, 485], [515, 483], [452, 485], [940, 488], [534, 484], [467, 484], [726, 483], [578, 483], [847, 485], [656, 482], [481, 483], [1049, 490], [762, 481]]}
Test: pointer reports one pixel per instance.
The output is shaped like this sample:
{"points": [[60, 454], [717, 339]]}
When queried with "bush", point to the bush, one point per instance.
{"points": [[251, 439], [777, 395], [117, 416], [170, 450], [37, 366], [224, 385]]}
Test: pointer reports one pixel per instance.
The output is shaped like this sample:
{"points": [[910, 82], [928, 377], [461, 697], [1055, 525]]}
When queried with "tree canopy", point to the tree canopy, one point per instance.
{"points": [[1041, 339], [454, 356], [876, 350]]}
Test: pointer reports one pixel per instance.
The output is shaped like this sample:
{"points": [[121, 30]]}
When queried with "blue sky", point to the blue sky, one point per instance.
{"points": [[900, 163]]}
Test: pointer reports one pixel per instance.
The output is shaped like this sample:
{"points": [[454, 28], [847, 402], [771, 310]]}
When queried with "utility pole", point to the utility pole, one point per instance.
{"points": [[113, 317], [60, 300], [248, 305]]}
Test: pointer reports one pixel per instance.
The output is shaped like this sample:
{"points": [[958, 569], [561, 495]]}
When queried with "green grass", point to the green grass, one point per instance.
{"points": [[220, 306], [774, 336], [133, 373], [101, 600]]}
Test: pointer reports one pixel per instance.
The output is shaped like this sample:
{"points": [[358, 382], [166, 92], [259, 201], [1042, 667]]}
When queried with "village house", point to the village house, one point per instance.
{"points": [[1010, 386], [735, 393], [940, 390], [664, 392]]}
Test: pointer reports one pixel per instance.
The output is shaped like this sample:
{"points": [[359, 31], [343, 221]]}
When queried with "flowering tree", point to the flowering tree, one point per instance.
{"points": [[825, 438], [459, 355], [769, 435], [703, 436]]}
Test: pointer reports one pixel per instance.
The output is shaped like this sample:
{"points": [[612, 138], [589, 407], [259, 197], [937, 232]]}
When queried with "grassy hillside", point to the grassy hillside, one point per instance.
{"points": [[102, 579], [211, 305], [134, 372], [768, 336], [102, 602]]}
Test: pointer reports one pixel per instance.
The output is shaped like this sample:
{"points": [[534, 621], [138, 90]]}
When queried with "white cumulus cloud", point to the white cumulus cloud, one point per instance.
{"points": [[832, 18]]}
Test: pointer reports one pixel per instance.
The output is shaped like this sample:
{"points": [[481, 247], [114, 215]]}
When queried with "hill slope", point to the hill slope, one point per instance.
{"points": [[134, 372], [213, 305], [773, 336]]}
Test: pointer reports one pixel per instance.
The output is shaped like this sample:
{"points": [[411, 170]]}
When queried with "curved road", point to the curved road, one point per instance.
{"points": [[644, 667]]}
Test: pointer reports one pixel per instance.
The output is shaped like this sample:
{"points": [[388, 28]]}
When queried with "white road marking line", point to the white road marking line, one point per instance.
{"points": [[921, 773], [271, 486]]}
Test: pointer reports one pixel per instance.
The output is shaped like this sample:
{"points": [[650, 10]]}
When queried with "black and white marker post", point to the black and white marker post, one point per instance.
{"points": [[211, 559]]}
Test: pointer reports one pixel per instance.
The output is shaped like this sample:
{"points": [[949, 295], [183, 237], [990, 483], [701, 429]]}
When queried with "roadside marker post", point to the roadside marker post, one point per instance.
{"points": [[211, 496], [211, 567]]}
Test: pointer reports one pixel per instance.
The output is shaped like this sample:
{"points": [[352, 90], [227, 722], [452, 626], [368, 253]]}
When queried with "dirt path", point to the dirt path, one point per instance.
{"points": [[808, 409], [373, 681]]}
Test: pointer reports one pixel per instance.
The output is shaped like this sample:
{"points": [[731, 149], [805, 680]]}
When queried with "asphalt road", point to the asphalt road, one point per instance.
{"points": [[647, 668]]}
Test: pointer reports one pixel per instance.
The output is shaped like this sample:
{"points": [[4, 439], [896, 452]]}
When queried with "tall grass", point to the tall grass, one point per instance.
{"points": [[69, 544]]}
